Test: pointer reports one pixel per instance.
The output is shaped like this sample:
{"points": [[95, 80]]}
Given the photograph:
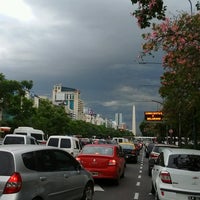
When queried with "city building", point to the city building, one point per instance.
{"points": [[70, 98]]}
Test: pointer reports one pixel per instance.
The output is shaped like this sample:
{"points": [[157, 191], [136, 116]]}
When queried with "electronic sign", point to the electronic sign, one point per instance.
{"points": [[153, 115]]}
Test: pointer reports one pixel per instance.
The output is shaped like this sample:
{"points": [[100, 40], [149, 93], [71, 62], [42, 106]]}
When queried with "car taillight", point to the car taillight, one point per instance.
{"points": [[165, 177], [133, 152], [13, 184], [112, 162], [78, 159], [153, 155]]}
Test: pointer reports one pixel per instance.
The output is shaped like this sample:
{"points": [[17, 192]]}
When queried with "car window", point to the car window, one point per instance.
{"points": [[14, 140], [37, 136], [127, 146], [7, 164], [185, 162], [65, 143], [29, 160], [53, 142], [160, 160], [97, 150], [49, 160], [76, 144]]}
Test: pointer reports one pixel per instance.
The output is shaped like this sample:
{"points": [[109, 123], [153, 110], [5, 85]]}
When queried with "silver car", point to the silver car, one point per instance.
{"points": [[37, 172]]}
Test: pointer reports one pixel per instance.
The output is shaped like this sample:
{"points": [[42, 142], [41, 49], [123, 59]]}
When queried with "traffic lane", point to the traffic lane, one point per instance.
{"points": [[136, 185]]}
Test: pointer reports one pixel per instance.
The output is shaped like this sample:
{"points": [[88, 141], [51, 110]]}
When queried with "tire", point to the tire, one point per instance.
{"points": [[152, 189], [149, 171], [88, 193]]}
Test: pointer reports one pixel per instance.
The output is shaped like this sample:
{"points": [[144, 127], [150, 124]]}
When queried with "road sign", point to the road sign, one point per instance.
{"points": [[153, 115]]}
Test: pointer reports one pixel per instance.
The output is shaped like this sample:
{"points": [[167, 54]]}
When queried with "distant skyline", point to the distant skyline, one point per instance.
{"points": [[89, 45]]}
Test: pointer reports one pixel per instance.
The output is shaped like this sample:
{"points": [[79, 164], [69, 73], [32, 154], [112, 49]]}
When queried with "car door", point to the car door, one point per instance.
{"points": [[73, 179], [159, 164], [121, 159]]}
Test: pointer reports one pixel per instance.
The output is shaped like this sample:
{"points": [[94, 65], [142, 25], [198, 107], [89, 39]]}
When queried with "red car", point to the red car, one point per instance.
{"points": [[104, 161]]}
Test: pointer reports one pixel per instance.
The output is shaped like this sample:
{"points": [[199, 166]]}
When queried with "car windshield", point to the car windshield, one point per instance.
{"points": [[184, 162], [97, 150]]}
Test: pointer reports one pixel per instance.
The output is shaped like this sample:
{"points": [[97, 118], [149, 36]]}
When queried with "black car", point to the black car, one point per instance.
{"points": [[130, 152]]}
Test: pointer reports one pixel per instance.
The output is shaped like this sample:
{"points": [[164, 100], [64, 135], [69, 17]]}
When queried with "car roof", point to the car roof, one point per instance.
{"points": [[128, 143], [18, 135], [181, 151], [165, 145], [101, 145], [21, 148]]}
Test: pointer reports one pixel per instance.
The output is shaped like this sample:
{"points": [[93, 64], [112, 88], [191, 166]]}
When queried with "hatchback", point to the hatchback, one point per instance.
{"points": [[176, 175], [104, 161], [37, 172]]}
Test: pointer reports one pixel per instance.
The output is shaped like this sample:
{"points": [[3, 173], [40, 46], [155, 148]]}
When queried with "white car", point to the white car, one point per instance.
{"points": [[176, 175]]}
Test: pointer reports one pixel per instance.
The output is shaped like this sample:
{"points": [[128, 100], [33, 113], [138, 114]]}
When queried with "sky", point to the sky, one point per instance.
{"points": [[89, 45]]}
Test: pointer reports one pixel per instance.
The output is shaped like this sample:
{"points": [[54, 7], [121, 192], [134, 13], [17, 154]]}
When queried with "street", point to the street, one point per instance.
{"points": [[136, 185]]}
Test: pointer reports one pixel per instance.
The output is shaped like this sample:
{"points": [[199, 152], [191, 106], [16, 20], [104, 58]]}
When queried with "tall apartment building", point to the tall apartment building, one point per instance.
{"points": [[118, 118], [70, 98]]}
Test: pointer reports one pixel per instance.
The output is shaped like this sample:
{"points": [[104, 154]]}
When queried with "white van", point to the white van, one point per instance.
{"points": [[68, 143], [36, 133], [18, 139]]}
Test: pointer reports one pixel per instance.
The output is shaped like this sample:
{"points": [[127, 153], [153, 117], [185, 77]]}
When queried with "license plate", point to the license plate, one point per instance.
{"points": [[193, 198], [95, 173]]}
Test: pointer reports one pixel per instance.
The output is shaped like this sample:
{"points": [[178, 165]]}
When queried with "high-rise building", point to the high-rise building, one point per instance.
{"points": [[70, 98], [118, 118]]}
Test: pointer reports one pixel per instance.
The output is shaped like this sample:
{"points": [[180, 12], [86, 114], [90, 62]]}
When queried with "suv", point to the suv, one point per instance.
{"points": [[37, 172], [19, 139], [176, 174], [153, 156]]}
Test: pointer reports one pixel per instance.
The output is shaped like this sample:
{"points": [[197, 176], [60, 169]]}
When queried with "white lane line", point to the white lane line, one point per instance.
{"points": [[136, 196], [139, 176], [141, 167], [138, 184], [140, 171], [98, 188]]}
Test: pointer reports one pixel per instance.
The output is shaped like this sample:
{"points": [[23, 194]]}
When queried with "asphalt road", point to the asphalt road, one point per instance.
{"points": [[136, 185]]}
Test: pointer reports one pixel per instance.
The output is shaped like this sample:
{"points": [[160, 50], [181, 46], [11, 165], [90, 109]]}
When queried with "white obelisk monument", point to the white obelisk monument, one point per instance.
{"points": [[133, 121]]}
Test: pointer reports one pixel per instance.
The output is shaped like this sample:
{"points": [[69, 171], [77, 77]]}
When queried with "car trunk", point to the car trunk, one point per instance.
{"points": [[184, 179], [95, 161]]}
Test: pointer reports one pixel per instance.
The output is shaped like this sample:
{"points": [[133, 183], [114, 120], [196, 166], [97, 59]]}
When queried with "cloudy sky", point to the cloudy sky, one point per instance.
{"points": [[89, 45]]}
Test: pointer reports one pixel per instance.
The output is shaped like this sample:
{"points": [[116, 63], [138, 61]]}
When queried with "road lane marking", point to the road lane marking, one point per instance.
{"points": [[136, 196], [97, 188], [140, 171], [139, 176], [138, 184]]}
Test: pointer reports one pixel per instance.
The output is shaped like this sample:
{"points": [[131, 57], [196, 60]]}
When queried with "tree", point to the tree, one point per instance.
{"points": [[152, 9], [179, 39]]}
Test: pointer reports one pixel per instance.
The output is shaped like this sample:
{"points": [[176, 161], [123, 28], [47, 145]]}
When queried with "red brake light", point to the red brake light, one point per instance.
{"points": [[165, 177], [153, 155], [112, 162], [78, 159], [13, 184]]}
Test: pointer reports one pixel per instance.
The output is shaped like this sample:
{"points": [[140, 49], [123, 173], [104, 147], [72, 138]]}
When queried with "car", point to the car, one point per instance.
{"points": [[104, 161], [70, 144], [30, 131], [148, 149], [38, 172], [130, 152], [176, 175], [155, 153], [19, 139]]}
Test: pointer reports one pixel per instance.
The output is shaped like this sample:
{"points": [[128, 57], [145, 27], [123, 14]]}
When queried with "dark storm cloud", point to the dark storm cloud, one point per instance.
{"points": [[89, 45]]}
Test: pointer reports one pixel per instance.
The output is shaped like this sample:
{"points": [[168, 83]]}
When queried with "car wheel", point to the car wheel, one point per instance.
{"points": [[116, 181], [123, 173], [88, 193], [152, 189]]}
